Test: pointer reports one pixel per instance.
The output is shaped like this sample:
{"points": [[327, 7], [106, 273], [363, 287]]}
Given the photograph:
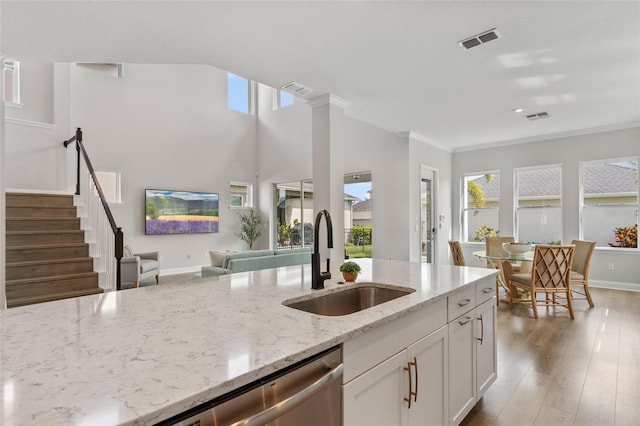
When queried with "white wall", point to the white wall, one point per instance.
{"points": [[166, 127], [569, 152], [36, 158]]}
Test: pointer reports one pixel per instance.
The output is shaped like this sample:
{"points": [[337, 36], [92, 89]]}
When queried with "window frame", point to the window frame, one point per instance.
{"points": [[14, 66], [464, 205], [246, 203], [516, 199], [582, 205], [231, 96]]}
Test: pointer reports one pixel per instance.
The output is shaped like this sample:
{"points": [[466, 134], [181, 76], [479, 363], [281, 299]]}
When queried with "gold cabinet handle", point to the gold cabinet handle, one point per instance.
{"points": [[408, 399], [465, 320], [487, 290], [481, 338], [464, 302], [415, 366], [412, 393]]}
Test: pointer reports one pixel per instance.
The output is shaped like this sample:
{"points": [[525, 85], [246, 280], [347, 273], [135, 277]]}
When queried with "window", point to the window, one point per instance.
{"points": [[238, 93], [12, 82], [480, 206], [294, 214], [241, 195], [284, 99], [110, 185], [539, 205], [609, 200]]}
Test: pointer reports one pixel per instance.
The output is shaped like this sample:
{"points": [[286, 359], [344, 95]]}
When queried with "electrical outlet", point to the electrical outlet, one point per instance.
{"points": [[612, 266]]}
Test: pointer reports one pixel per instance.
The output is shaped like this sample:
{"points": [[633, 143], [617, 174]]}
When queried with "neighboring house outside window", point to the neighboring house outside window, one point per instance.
{"points": [[609, 191], [539, 204], [11, 82], [238, 93], [480, 206]]}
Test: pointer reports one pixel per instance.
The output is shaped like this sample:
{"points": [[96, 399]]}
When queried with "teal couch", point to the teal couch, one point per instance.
{"points": [[232, 262]]}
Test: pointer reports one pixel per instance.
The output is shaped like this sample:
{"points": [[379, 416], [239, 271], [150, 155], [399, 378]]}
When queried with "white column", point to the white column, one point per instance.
{"points": [[327, 135]]}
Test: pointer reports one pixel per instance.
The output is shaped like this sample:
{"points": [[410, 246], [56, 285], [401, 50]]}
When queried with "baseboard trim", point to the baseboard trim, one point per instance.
{"points": [[177, 271], [614, 285]]}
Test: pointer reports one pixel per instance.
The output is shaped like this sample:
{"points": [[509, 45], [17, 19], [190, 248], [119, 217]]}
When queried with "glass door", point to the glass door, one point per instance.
{"points": [[427, 226]]}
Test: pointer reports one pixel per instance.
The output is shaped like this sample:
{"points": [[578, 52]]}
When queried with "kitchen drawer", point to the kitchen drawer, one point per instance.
{"points": [[461, 301], [485, 289]]}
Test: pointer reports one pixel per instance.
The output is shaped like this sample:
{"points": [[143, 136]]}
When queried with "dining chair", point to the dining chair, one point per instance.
{"points": [[580, 270], [456, 253], [550, 274], [493, 245]]}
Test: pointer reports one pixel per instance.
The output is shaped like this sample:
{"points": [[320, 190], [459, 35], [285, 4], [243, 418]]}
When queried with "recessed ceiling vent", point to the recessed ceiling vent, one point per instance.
{"points": [[479, 39], [297, 89], [538, 116]]}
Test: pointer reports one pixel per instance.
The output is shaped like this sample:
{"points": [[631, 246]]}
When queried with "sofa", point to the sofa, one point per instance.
{"points": [[228, 262], [136, 267]]}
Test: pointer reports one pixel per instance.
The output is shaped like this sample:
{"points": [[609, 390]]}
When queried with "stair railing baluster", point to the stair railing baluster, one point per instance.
{"points": [[94, 185]]}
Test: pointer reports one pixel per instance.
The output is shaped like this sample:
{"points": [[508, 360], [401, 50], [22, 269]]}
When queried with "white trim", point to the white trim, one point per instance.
{"points": [[421, 138], [13, 105], [177, 271], [328, 98], [614, 285], [30, 123], [549, 136]]}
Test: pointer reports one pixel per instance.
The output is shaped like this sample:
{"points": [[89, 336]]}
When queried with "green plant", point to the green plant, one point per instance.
{"points": [[350, 267], [626, 237], [360, 231], [249, 227], [483, 232], [284, 232]]}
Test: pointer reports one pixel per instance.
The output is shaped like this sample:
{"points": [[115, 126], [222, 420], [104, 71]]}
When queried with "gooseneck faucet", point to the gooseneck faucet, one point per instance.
{"points": [[317, 277]]}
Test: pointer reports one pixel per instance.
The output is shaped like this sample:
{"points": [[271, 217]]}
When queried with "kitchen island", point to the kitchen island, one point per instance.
{"points": [[141, 356]]}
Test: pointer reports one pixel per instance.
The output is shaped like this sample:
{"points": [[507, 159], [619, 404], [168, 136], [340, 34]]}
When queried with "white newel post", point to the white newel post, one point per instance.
{"points": [[327, 135]]}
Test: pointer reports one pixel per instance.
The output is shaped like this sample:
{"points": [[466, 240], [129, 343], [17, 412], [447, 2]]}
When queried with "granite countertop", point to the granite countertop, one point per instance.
{"points": [[140, 356]]}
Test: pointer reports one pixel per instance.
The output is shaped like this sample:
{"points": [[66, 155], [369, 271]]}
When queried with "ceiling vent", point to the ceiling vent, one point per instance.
{"points": [[538, 116], [479, 39], [297, 89]]}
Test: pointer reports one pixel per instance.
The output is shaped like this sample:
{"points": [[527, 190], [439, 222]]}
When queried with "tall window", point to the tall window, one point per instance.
{"points": [[284, 99], [12, 82], [480, 206], [294, 214], [610, 201], [238, 93], [539, 204]]}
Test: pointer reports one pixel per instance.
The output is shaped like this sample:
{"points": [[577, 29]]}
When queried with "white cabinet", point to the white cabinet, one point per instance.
{"points": [[409, 388], [472, 353]]}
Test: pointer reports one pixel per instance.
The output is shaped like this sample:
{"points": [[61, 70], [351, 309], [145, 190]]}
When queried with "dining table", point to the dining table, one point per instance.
{"points": [[495, 260]]}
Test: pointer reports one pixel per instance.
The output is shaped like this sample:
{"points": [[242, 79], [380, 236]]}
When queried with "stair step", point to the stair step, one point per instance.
{"points": [[40, 211], [24, 238], [43, 224], [25, 198], [30, 300], [46, 252], [44, 268]]}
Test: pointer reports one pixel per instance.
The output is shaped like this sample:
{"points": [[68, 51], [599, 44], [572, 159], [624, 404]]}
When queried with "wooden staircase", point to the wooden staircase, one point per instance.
{"points": [[47, 258]]}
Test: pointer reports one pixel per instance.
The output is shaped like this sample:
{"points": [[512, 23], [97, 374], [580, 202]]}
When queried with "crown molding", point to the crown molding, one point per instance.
{"points": [[326, 99], [421, 138]]}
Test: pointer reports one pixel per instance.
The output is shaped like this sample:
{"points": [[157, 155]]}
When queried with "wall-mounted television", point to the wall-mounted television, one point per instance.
{"points": [[180, 212]]}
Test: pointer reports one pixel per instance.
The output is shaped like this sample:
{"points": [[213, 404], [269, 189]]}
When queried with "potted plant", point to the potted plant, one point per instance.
{"points": [[249, 227], [350, 271], [626, 237]]}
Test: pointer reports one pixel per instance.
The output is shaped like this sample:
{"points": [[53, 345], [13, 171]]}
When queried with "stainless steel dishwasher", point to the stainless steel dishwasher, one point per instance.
{"points": [[307, 393]]}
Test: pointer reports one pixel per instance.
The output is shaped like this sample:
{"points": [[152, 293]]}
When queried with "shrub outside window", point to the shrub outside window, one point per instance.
{"points": [[481, 206]]}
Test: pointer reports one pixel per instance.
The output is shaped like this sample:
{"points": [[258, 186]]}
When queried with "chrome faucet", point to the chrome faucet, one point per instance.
{"points": [[317, 277]]}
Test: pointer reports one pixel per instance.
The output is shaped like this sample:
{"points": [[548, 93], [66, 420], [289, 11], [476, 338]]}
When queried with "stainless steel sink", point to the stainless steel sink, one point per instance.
{"points": [[350, 300]]}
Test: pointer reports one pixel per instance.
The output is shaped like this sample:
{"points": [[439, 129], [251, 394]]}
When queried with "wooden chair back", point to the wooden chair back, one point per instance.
{"points": [[582, 256], [493, 245], [551, 269], [456, 253]]}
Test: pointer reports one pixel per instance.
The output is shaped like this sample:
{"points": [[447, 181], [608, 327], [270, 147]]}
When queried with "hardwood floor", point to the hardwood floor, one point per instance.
{"points": [[558, 371]]}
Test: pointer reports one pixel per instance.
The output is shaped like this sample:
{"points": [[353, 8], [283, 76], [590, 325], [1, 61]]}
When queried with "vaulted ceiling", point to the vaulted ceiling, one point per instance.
{"points": [[398, 64]]}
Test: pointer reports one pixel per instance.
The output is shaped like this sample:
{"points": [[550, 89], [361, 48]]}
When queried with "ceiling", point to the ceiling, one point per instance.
{"points": [[397, 64]]}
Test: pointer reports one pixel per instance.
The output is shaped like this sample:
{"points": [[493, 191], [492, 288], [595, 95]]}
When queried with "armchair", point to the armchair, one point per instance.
{"points": [[138, 266]]}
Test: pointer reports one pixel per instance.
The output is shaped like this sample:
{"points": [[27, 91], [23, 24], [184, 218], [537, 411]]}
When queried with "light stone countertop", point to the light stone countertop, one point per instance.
{"points": [[141, 356]]}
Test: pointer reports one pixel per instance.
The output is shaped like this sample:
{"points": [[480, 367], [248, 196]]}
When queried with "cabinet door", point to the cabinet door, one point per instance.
{"points": [[462, 387], [486, 363], [376, 397], [431, 355]]}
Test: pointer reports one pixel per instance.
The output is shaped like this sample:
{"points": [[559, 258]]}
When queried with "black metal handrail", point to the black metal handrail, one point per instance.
{"points": [[119, 238]]}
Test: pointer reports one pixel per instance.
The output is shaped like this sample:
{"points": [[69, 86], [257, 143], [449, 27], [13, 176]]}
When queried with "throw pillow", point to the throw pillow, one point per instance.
{"points": [[217, 257], [127, 252]]}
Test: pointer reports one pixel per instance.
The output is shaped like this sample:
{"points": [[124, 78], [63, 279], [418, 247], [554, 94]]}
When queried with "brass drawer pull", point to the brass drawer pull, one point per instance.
{"points": [[487, 290], [464, 302], [465, 320]]}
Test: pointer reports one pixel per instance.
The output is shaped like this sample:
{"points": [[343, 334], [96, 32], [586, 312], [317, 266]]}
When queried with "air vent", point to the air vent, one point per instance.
{"points": [[297, 89], [479, 39], [538, 116]]}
